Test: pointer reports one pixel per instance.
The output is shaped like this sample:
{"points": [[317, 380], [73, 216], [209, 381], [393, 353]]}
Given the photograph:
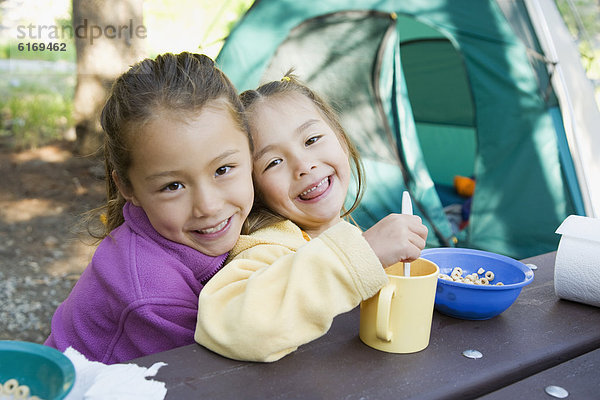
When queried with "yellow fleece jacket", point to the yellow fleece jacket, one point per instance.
{"points": [[279, 291]]}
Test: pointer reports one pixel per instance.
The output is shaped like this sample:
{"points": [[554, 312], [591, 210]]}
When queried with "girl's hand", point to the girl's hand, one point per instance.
{"points": [[397, 238]]}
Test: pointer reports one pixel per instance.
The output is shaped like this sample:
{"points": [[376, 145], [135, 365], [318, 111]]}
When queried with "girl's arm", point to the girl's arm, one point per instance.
{"points": [[272, 298]]}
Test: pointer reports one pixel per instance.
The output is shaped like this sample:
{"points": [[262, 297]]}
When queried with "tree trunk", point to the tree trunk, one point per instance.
{"points": [[109, 37]]}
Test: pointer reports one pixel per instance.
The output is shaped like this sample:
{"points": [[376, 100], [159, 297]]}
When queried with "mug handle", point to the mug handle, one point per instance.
{"points": [[384, 306]]}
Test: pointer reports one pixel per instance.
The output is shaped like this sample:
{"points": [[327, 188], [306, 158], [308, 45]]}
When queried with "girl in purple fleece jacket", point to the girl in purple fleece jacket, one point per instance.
{"points": [[179, 187]]}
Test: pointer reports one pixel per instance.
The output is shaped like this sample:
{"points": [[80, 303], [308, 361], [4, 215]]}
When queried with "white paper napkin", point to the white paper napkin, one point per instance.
{"points": [[577, 266], [95, 380]]}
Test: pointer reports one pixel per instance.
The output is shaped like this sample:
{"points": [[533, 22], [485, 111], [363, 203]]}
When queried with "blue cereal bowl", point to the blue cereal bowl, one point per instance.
{"points": [[47, 372], [477, 302]]}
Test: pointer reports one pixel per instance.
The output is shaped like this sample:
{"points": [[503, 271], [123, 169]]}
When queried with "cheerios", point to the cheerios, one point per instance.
{"points": [[22, 392], [456, 273], [10, 386], [481, 277], [12, 390]]}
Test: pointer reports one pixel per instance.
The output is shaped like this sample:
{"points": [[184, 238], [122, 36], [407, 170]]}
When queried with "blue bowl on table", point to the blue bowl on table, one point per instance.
{"points": [[477, 302], [47, 372]]}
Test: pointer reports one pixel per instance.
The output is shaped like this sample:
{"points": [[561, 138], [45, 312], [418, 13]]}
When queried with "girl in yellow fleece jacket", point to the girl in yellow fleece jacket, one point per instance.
{"points": [[302, 264]]}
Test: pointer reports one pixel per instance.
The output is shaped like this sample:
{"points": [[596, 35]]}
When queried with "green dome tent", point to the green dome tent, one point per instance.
{"points": [[431, 89]]}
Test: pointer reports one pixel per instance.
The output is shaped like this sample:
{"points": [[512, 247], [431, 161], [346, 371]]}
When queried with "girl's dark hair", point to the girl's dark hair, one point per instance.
{"points": [[175, 83], [261, 215]]}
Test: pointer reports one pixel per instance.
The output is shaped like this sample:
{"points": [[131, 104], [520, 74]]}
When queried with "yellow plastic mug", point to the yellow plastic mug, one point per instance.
{"points": [[398, 318]]}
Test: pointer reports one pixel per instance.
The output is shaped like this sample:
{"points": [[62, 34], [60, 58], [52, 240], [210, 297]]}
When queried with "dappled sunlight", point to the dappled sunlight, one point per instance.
{"points": [[43, 249], [190, 25], [24, 210], [51, 154], [76, 257]]}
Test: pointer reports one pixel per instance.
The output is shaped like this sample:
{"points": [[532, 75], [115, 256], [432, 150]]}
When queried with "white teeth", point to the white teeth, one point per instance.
{"points": [[314, 188], [215, 229]]}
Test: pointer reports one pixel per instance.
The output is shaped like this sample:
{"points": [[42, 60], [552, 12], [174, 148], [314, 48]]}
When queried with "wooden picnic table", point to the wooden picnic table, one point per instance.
{"points": [[539, 334], [580, 377]]}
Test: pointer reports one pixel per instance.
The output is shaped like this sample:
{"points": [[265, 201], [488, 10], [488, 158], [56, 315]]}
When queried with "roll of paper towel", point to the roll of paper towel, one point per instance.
{"points": [[577, 267]]}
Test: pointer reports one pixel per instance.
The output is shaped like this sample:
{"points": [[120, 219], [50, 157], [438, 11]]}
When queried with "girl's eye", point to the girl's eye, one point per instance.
{"points": [[222, 170], [312, 140], [274, 163], [171, 187]]}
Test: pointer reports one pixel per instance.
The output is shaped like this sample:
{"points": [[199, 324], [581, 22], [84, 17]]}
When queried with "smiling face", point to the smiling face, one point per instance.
{"points": [[193, 178], [301, 170]]}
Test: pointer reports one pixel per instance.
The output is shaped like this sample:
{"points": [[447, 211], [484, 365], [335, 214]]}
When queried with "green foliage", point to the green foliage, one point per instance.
{"points": [[36, 89], [11, 51], [191, 25], [580, 15], [582, 18], [35, 109], [4, 51]]}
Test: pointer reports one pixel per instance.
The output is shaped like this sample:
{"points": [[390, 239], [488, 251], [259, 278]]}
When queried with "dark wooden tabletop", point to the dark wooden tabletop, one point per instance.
{"points": [[580, 377], [538, 332]]}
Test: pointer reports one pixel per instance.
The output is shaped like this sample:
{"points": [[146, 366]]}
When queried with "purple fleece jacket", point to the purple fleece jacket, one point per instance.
{"points": [[138, 296]]}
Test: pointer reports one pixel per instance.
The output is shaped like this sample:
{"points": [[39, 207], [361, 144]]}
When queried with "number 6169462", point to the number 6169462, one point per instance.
{"points": [[35, 46]]}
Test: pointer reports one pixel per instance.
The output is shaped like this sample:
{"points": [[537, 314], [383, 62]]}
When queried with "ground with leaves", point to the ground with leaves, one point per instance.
{"points": [[42, 247]]}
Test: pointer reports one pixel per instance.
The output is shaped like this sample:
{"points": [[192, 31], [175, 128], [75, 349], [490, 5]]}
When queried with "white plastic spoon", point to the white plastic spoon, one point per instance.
{"points": [[406, 209]]}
